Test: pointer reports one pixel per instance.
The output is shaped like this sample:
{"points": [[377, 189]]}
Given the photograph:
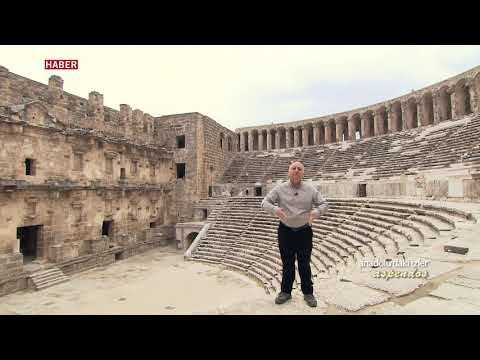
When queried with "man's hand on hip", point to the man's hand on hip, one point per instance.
{"points": [[281, 214]]}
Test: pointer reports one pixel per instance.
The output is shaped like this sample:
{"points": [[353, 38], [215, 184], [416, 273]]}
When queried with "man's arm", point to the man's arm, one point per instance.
{"points": [[269, 201], [319, 204]]}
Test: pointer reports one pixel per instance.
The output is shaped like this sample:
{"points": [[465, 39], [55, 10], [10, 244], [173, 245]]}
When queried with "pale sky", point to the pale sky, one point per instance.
{"points": [[241, 86]]}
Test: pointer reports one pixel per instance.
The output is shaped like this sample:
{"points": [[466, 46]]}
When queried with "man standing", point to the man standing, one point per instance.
{"points": [[298, 204]]}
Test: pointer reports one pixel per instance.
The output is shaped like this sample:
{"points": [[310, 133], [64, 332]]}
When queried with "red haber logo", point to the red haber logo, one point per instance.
{"points": [[58, 64]]}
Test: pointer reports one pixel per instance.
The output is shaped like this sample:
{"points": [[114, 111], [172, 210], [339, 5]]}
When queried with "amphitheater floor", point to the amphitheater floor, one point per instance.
{"points": [[161, 282]]}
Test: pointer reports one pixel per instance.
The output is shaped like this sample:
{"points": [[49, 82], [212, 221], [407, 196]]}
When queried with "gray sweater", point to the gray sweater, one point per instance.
{"points": [[297, 202]]}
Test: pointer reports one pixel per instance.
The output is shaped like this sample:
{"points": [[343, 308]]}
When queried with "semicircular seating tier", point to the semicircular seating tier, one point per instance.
{"points": [[243, 237], [449, 144]]}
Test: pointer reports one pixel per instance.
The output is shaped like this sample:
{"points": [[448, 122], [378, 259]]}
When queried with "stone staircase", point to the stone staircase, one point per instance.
{"points": [[43, 279]]}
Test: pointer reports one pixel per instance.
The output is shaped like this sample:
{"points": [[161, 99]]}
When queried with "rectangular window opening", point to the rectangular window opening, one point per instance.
{"points": [[30, 167], [181, 171], [181, 141]]}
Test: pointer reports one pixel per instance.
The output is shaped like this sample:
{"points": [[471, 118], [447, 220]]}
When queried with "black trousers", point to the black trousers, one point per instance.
{"points": [[295, 244]]}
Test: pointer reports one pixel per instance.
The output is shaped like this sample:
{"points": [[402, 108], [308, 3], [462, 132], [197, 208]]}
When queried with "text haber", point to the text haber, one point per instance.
{"points": [[61, 64]]}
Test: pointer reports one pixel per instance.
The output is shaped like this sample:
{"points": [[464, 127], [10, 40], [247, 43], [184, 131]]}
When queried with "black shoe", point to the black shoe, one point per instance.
{"points": [[310, 299], [282, 297]]}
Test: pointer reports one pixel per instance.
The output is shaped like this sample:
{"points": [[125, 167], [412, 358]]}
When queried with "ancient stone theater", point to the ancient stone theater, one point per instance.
{"points": [[83, 185]]}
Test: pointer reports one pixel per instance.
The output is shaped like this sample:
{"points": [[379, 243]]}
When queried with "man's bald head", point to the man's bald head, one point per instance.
{"points": [[295, 172]]}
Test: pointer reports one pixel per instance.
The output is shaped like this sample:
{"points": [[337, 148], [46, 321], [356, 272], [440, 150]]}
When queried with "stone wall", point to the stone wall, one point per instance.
{"points": [[203, 156], [216, 153]]}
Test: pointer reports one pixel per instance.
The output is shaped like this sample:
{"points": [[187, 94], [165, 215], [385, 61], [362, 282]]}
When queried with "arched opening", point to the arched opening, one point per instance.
{"points": [[381, 121], [427, 109], [310, 134], [341, 129], [238, 142], [229, 143], [396, 117], [321, 131], [300, 136], [367, 124], [283, 138], [255, 140], [245, 139], [411, 113], [356, 128], [462, 98], [290, 136], [273, 137], [444, 104], [191, 237]]}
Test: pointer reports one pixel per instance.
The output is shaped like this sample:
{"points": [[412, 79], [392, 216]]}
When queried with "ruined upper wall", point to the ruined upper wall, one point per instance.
{"points": [[74, 111], [451, 87]]}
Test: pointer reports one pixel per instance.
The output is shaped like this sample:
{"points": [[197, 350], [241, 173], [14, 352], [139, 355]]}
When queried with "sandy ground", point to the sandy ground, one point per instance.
{"points": [[156, 282]]}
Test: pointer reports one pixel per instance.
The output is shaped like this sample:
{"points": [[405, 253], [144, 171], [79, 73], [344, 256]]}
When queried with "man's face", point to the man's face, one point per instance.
{"points": [[295, 172]]}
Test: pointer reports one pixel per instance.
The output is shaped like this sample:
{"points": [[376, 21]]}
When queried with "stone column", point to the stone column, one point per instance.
{"points": [[296, 137], [242, 141], [269, 140], [476, 98], [404, 115], [316, 134], [260, 140], [288, 138], [305, 135], [277, 138], [250, 140]]}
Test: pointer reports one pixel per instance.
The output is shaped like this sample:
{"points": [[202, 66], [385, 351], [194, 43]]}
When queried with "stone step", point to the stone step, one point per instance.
{"points": [[46, 278]]}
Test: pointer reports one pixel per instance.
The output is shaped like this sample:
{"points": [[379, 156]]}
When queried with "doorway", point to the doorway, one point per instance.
{"points": [[258, 191], [29, 237], [362, 190], [107, 228]]}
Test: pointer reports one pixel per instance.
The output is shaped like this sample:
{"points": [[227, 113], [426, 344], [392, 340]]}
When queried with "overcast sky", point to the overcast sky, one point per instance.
{"points": [[244, 85]]}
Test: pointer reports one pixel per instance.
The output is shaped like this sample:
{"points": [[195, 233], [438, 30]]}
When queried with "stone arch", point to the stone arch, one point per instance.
{"points": [[427, 109], [263, 141], [310, 134], [246, 141], [273, 137], [411, 115], [354, 127], [341, 129], [462, 98], [298, 129], [190, 238], [321, 132], [255, 140], [396, 118], [381, 121], [289, 135], [367, 124], [282, 138]]}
